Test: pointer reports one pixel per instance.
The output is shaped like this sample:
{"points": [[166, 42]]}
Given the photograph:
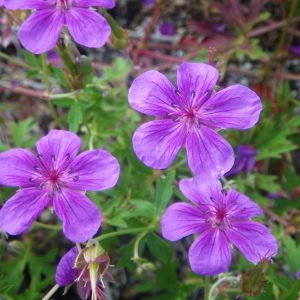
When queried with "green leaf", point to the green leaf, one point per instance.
{"points": [[164, 191], [75, 117], [21, 133], [292, 254], [143, 208], [267, 183], [160, 248]]}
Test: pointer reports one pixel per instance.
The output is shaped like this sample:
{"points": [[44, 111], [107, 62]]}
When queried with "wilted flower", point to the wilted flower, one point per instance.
{"points": [[56, 177], [40, 32], [245, 161], [221, 219], [189, 116], [87, 268]]}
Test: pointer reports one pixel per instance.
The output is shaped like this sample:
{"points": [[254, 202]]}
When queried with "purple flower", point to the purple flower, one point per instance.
{"points": [[149, 2], [54, 59], [167, 28], [298, 275], [295, 50], [246, 159], [221, 219], [40, 32], [86, 272], [189, 116], [56, 177]]}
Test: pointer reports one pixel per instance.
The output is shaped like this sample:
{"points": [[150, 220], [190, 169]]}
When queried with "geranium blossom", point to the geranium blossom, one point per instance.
{"points": [[86, 269], [245, 161], [40, 32], [189, 116], [221, 219], [56, 178]]}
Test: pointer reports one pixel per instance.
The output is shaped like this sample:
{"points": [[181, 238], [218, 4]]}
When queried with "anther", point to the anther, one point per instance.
{"points": [[68, 156], [193, 94], [53, 157], [76, 178], [177, 93]]}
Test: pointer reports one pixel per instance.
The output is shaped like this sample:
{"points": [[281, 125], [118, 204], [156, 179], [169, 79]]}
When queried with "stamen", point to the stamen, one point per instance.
{"points": [[177, 93], [76, 178]]}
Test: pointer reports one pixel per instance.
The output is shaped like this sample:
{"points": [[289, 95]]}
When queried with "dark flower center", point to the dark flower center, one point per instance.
{"points": [[53, 176]]}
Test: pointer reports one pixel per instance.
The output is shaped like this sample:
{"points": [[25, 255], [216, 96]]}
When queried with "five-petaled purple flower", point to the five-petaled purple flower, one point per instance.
{"points": [[40, 32], [245, 161], [56, 177], [190, 115], [222, 219]]}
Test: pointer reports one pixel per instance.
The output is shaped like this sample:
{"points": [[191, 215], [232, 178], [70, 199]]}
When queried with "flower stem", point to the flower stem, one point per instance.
{"points": [[16, 61], [46, 226], [206, 288], [51, 292], [125, 232], [136, 246]]}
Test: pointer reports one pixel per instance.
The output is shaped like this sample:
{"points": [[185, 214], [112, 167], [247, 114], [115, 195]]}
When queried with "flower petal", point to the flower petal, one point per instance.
{"points": [[88, 3], [196, 81], [157, 143], [84, 289], [209, 155], [240, 206], [20, 211], [40, 32], [181, 220], [87, 27], [210, 254], [58, 148], [94, 171], [234, 107], [80, 216], [65, 272], [28, 4], [17, 167], [254, 240], [152, 94], [201, 192]]}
